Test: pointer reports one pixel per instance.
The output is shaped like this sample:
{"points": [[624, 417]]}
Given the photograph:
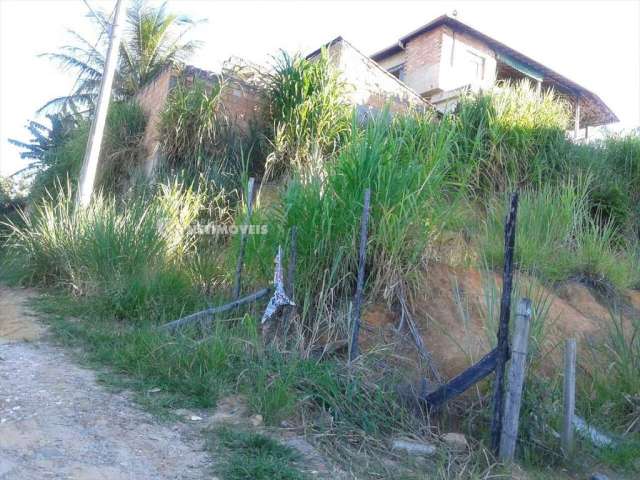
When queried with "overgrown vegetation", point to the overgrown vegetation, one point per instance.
{"points": [[121, 158], [125, 266], [307, 112]]}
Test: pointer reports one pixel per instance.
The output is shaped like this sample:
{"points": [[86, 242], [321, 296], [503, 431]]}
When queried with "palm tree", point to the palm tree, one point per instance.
{"points": [[153, 40]]}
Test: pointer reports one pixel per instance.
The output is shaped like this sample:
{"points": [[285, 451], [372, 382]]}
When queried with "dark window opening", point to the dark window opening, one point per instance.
{"points": [[397, 71]]}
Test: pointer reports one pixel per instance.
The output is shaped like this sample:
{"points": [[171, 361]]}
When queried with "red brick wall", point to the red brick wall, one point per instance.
{"points": [[242, 103], [424, 49], [152, 99]]}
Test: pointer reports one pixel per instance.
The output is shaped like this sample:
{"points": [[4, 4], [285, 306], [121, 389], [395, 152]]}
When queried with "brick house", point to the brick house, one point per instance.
{"points": [[446, 57]]}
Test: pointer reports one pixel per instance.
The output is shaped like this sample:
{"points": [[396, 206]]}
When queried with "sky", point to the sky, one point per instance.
{"points": [[594, 43]]}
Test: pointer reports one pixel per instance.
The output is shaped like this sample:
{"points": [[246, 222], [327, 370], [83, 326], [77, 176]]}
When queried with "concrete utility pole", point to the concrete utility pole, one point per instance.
{"points": [[92, 153]]}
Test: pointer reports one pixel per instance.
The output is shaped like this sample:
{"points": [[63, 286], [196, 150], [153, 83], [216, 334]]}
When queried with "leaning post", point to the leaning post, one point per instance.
{"points": [[503, 327], [509, 434], [357, 301]]}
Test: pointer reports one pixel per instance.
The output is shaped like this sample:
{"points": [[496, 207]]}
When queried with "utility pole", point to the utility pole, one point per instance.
{"points": [[92, 153]]}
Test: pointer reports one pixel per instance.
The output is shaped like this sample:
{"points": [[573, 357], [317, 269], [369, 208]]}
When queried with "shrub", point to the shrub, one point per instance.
{"points": [[307, 110], [194, 128], [120, 157], [123, 155]]}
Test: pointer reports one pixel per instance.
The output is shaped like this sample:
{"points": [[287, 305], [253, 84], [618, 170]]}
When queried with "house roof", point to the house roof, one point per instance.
{"points": [[594, 110]]}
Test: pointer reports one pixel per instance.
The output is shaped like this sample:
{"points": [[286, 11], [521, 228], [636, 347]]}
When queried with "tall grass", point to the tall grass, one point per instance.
{"points": [[121, 253], [307, 110], [403, 162], [557, 238], [510, 136], [194, 127]]}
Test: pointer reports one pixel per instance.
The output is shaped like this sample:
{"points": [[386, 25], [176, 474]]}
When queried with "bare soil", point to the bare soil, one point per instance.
{"points": [[57, 422], [451, 314]]}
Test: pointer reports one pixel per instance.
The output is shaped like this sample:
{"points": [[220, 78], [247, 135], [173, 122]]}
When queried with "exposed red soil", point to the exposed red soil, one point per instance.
{"points": [[451, 314]]}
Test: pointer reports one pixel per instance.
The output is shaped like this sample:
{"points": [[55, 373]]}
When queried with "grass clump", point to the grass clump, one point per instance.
{"points": [[508, 137], [252, 456], [558, 239], [403, 162], [307, 111], [125, 254], [194, 127]]}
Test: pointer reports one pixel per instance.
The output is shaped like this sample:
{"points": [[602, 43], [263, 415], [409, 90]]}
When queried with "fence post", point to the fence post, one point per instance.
{"points": [[569, 396], [513, 399], [503, 326], [357, 301], [243, 240]]}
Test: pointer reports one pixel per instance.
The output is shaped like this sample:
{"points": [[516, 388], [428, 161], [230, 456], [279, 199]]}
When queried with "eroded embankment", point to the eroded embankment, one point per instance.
{"points": [[454, 315]]}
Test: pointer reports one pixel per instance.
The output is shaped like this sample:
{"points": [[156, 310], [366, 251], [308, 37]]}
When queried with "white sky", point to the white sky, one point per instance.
{"points": [[595, 43]]}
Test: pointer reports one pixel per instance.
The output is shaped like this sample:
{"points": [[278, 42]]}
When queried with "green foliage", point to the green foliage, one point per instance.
{"points": [[614, 162], [121, 156], [44, 139], [194, 127], [253, 456], [405, 193], [125, 255], [307, 111], [611, 387], [608, 389], [153, 40], [201, 145], [557, 238], [508, 137]]}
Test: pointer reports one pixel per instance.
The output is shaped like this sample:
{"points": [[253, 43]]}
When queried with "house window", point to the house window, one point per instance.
{"points": [[397, 71], [475, 66]]}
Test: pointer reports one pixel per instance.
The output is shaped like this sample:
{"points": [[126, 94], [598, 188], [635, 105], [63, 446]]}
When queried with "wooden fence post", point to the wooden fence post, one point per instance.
{"points": [[243, 240], [503, 327], [357, 301], [513, 399], [569, 396]]}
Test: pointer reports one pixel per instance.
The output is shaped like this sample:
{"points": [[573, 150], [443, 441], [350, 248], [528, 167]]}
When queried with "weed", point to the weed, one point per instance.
{"points": [[252, 456], [307, 110]]}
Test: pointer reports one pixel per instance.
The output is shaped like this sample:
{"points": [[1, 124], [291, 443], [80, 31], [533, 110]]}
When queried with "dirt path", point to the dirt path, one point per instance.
{"points": [[56, 422]]}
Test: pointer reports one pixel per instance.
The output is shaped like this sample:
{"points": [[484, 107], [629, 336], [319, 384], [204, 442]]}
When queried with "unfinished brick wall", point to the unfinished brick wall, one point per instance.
{"points": [[152, 99], [241, 102], [243, 105], [424, 54]]}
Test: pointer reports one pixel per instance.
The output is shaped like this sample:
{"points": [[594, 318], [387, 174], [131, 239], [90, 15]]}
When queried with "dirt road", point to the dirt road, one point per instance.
{"points": [[56, 422]]}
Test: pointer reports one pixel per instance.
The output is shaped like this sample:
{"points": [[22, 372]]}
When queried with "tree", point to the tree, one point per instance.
{"points": [[154, 39], [44, 139]]}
